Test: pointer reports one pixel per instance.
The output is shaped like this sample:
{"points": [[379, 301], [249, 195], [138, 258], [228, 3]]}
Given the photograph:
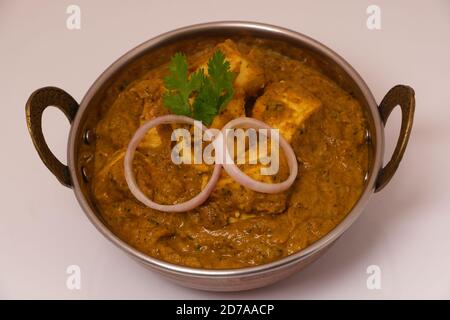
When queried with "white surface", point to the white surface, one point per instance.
{"points": [[405, 229]]}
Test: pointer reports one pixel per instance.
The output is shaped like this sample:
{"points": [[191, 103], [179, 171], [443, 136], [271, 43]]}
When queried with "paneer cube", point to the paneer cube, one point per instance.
{"points": [[248, 202], [234, 109], [285, 106], [151, 91], [249, 76]]}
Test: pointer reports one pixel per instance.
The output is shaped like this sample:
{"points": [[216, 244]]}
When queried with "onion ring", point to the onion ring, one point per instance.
{"points": [[131, 180], [239, 176]]}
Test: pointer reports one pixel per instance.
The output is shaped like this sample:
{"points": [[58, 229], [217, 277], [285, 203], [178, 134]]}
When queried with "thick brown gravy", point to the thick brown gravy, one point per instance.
{"points": [[235, 227]]}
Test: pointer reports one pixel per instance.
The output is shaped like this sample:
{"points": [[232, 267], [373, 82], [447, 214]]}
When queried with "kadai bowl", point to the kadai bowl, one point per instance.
{"points": [[236, 237]]}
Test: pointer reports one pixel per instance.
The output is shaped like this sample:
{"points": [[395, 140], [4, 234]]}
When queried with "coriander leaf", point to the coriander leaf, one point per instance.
{"points": [[177, 78], [179, 86], [176, 104], [211, 93], [205, 104], [217, 89], [222, 79], [196, 80]]}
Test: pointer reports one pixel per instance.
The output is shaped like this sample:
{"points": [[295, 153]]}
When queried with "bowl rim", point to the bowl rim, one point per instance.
{"points": [[294, 258]]}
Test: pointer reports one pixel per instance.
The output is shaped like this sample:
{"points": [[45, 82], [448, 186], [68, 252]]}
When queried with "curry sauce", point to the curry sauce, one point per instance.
{"points": [[236, 227]]}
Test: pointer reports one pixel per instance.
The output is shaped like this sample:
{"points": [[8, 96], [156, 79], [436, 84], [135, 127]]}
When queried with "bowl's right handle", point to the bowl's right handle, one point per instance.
{"points": [[402, 96], [36, 104]]}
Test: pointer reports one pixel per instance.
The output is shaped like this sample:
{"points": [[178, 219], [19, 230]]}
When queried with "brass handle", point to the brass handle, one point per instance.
{"points": [[402, 96], [36, 104]]}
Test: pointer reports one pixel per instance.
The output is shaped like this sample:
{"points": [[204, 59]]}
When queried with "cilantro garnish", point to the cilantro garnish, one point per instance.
{"points": [[209, 93]]}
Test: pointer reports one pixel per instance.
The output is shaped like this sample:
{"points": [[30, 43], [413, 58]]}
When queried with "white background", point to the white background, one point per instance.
{"points": [[405, 228]]}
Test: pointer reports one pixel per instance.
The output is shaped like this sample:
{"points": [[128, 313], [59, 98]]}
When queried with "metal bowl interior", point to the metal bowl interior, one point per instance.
{"points": [[157, 51]]}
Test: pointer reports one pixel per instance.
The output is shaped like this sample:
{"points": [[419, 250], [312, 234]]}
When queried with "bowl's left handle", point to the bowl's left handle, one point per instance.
{"points": [[36, 104]]}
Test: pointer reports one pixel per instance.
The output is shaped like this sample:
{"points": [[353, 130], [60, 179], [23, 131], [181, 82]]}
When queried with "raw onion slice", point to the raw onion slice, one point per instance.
{"points": [[131, 180], [239, 176]]}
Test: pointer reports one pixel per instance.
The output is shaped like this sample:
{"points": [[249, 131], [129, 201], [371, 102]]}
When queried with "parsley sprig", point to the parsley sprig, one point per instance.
{"points": [[209, 93]]}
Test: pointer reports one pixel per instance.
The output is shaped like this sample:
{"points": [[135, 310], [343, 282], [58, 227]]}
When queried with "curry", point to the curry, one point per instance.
{"points": [[236, 227]]}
